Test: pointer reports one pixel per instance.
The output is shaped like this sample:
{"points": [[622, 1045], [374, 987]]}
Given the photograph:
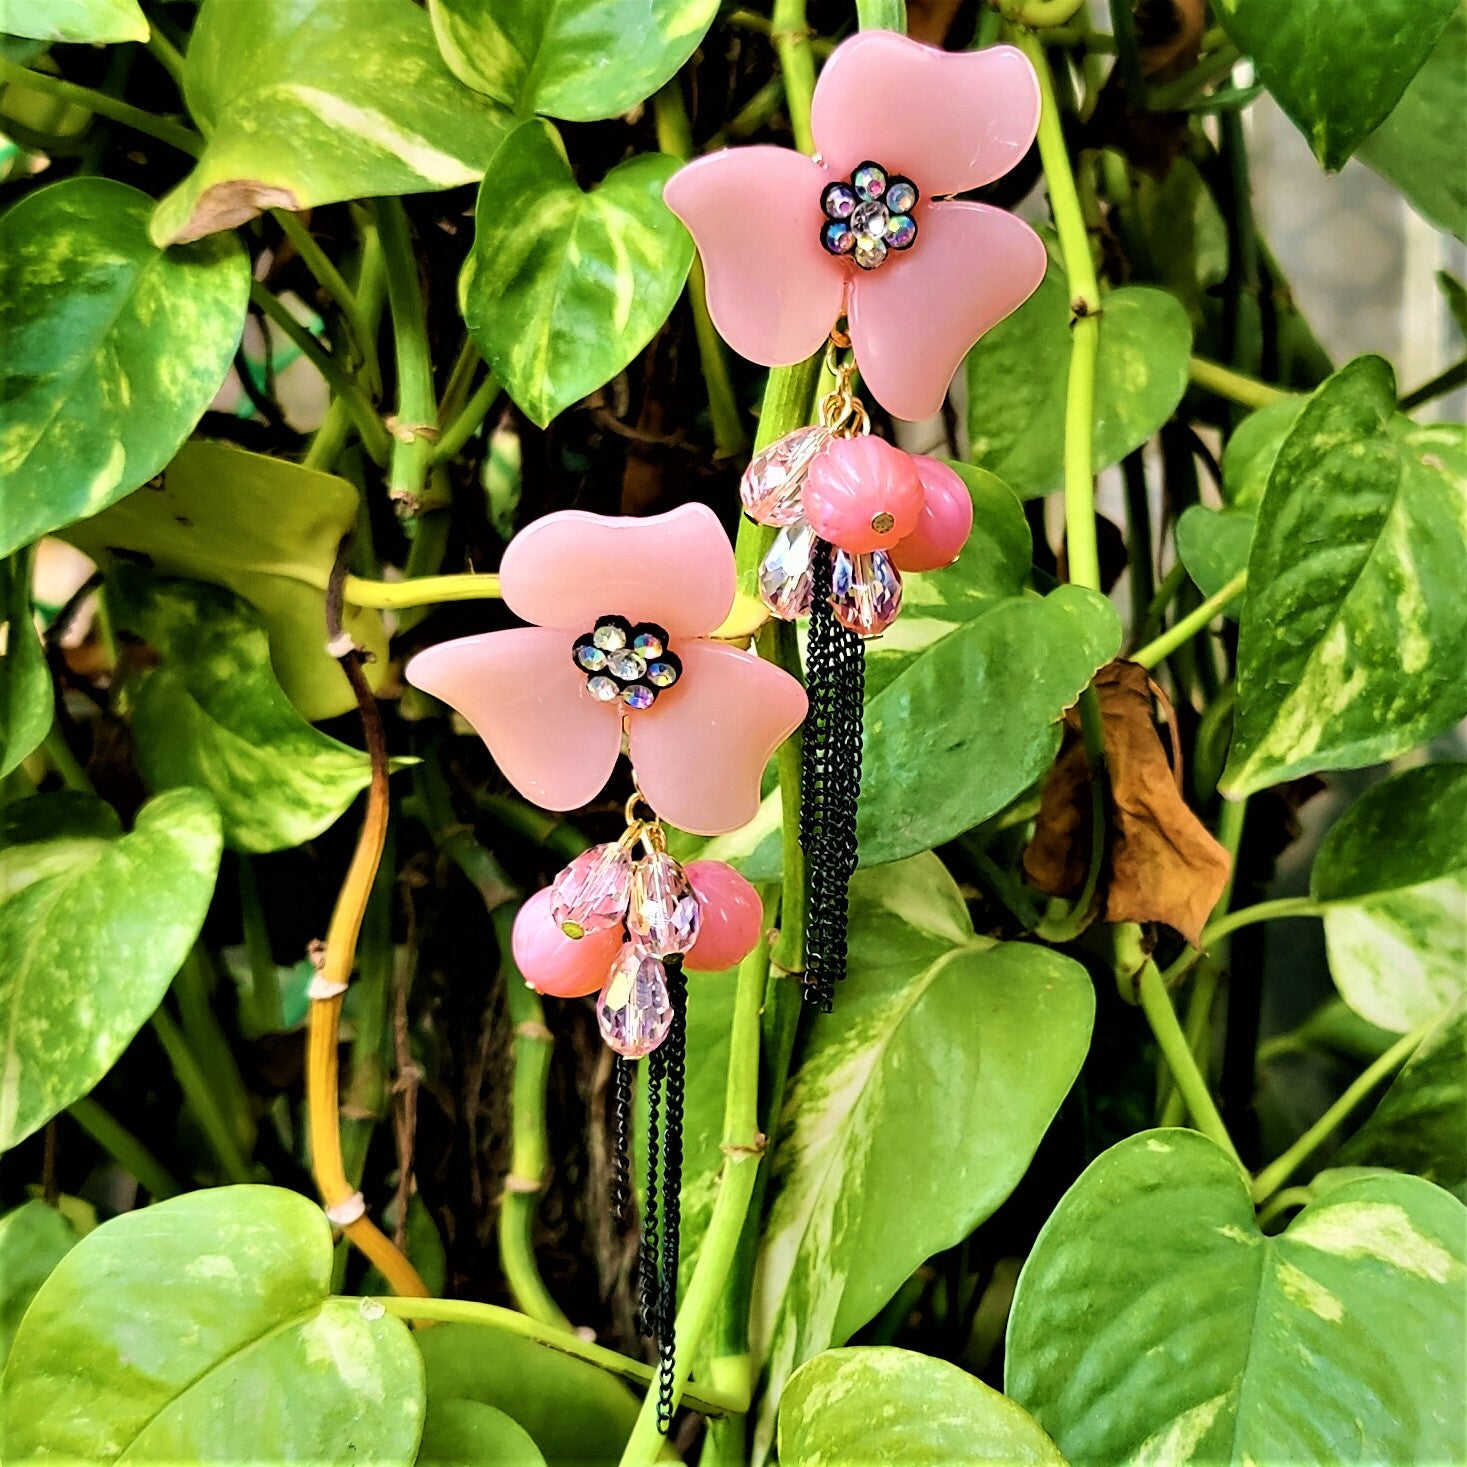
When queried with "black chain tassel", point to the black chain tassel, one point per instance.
{"points": [[621, 1123], [649, 1271], [830, 782], [674, 1049]]}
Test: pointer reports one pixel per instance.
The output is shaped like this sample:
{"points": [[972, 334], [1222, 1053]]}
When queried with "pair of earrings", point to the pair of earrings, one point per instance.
{"points": [[619, 648]]}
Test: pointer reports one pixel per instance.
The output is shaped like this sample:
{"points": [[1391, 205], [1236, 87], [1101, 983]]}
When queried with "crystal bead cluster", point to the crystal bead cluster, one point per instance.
{"points": [[626, 663], [870, 216]]}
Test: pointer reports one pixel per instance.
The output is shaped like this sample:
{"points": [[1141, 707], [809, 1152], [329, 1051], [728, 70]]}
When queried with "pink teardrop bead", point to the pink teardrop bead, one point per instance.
{"points": [[784, 577], [944, 524], [634, 1011], [556, 964], [664, 912], [862, 494], [775, 479], [733, 917], [865, 592], [590, 895]]}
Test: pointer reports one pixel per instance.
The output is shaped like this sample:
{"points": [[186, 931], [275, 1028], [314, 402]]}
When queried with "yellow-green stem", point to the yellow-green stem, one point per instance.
{"points": [[417, 404], [790, 32], [124, 1148], [1224, 382], [420, 590], [182, 138], [1162, 647], [466, 423]]}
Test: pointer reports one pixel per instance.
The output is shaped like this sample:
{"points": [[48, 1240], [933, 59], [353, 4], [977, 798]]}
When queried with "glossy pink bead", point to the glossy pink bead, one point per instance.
{"points": [[733, 918], [944, 524], [554, 963], [862, 494]]}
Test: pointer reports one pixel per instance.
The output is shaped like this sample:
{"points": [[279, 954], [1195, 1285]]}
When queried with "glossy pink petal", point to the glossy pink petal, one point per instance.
{"points": [[525, 698], [700, 750], [675, 569], [948, 120], [913, 320], [773, 291]]}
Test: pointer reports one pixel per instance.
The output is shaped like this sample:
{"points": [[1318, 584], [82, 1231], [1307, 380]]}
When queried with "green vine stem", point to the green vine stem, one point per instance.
{"points": [[168, 56], [263, 1007], [1187, 627], [1082, 551], [1277, 1172], [1233, 386], [420, 590], [493, 1316], [882, 15], [466, 422], [200, 1100], [124, 1148], [415, 428], [790, 32]]}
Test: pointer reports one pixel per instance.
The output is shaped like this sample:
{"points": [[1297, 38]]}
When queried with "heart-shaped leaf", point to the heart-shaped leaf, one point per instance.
{"points": [[457, 1432], [1249, 455], [563, 288], [1420, 1125], [580, 60], [266, 529], [885, 1405], [876, 1168], [94, 924], [1154, 1322], [1017, 375], [213, 716], [1337, 82], [34, 1238], [203, 1329], [1354, 635], [1392, 874], [26, 698], [315, 101], [1213, 544], [113, 349], [85, 22]]}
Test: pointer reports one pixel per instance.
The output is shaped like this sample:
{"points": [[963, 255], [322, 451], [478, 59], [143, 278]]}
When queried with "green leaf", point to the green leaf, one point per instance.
{"points": [[580, 60], [1213, 545], [26, 697], [973, 721], [1420, 1125], [458, 1431], [1392, 875], [1018, 371], [885, 1405], [575, 1414], [92, 22], [878, 1165], [213, 716], [1354, 636], [1337, 82], [1249, 455], [92, 940], [563, 288], [112, 349], [203, 1329], [1419, 146], [269, 531], [1154, 1322], [314, 101], [34, 1238]]}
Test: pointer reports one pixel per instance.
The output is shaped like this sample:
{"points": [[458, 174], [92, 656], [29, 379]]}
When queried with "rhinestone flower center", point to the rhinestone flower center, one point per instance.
{"points": [[870, 216], [625, 663]]}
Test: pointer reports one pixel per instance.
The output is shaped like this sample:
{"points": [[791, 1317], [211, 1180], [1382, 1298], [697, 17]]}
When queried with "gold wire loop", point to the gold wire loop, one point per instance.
{"points": [[841, 411]]}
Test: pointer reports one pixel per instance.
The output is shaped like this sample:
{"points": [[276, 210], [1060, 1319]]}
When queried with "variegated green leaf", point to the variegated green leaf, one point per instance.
{"points": [[576, 59], [213, 716], [266, 529], [911, 1119], [563, 288], [26, 698], [113, 349], [1154, 1322], [1337, 82], [34, 1238], [884, 1405], [1392, 875], [1353, 641], [1248, 457], [312, 101], [203, 1330], [87, 22], [1420, 1125], [93, 925]]}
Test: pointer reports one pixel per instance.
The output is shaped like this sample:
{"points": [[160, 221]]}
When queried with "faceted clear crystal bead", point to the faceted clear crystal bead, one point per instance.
{"points": [[775, 478], [603, 689], [784, 577], [609, 636], [663, 913], [865, 591], [628, 666], [634, 1011], [639, 695], [869, 221], [591, 894], [901, 195], [869, 251], [869, 181], [901, 230]]}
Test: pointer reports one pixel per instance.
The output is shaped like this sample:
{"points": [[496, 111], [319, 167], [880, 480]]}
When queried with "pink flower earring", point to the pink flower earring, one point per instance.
{"points": [[619, 650]]}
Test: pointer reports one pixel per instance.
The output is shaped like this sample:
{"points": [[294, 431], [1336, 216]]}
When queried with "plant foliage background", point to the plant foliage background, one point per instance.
{"points": [[1026, 1197]]}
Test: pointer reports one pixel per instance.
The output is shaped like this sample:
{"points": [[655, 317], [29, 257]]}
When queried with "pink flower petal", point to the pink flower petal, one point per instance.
{"points": [[773, 291], [675, 569], [526, 699], [914, 318], [948, 120], [700, 750]]}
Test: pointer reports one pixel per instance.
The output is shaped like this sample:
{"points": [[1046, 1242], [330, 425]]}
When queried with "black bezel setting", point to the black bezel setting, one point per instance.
{"points": [[630, 632], [849, 185]]}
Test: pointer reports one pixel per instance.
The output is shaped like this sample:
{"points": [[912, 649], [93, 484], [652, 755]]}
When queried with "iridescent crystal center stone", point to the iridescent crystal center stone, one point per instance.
{"points": [[625, 663], [870, 216]]}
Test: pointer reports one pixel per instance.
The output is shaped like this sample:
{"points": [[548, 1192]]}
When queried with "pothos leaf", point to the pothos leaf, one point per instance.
{"points": [[83, 22]]}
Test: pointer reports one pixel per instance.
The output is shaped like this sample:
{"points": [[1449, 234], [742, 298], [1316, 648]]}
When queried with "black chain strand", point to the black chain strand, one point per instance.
{"points": [[830, 783], [649, 1275], [674, 1048], [621, 1117]]}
